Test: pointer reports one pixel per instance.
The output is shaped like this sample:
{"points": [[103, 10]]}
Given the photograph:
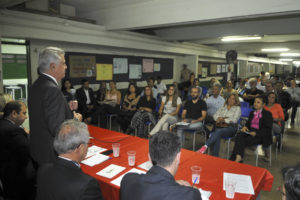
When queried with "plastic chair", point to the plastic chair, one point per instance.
{"points": [[245, 104], [204, 91], [245, 112], [194, 132]]}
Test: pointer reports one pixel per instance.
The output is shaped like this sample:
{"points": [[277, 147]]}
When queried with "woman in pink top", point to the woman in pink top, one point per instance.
{"points": [[277, 112], [258, 130]]}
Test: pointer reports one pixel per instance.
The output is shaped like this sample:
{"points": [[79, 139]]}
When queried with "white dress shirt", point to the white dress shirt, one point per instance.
{"points": [[88, 100]]}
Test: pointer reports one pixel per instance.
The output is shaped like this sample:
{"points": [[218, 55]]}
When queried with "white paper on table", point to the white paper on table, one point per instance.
{"points": [[243, 182], [204, 194], [92, 150], [182, 124], [110, 171], [118, 180], [146, 165], [95, 160]]}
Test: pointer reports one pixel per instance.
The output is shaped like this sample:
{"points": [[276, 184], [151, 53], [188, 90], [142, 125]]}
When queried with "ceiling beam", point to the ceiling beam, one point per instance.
{"points": [[155, 13]]}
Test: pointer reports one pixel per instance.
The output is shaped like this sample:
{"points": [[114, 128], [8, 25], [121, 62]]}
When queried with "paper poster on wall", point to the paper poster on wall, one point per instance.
{"points": [[82, 66], [213, 69], [199, 68], [147, 65], [223, 68], [204, 72], [120, 65], [156, 67], [219, 69], [104, 72], [135, 71]]}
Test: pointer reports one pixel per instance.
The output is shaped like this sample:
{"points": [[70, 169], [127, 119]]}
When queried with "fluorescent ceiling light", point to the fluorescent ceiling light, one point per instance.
{"points": [[240, 38], [286, 59], [275, 50], [296, 62], [290, 54]]}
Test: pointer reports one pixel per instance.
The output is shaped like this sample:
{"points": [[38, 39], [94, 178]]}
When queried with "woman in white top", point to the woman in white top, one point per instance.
{"points": [[168, 111], [226, 118]]}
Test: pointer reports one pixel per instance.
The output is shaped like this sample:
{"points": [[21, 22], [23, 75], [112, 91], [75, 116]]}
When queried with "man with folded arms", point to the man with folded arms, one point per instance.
{"points": [[63, 179], [159, 182]]}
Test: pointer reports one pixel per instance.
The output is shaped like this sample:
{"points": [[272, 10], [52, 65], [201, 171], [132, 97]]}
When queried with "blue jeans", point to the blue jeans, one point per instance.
{"points": [[191, 127], [216, 136]]}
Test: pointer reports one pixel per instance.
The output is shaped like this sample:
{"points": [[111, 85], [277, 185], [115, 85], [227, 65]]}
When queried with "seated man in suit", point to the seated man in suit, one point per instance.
{"points": [[64, 179], [16, 170], [159, 182], [85, 97]]}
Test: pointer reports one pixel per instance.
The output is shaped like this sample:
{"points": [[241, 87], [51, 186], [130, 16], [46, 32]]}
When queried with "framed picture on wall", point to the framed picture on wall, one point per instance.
{"points": [[204, 72]]}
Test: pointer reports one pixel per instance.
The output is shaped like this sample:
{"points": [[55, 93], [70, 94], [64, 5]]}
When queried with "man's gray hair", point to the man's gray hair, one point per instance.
{"points": [[217, 84], [47, 56], [71, 134], [252, 80]]}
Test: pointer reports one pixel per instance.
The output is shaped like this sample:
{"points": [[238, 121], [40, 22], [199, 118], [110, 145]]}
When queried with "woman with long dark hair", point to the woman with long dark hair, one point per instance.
{"points": [[168, 111], [130, 102], [145, 112], [66, 88]]}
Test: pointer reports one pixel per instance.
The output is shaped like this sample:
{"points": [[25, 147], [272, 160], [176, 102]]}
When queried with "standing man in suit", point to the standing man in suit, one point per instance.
{"points": [[16, 171], [64, 179], [47, 105], [85, 96], [159, 182]]}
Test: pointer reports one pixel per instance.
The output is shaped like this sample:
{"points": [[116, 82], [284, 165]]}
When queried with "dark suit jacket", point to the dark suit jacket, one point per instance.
{"points": [[265, 127], [63, 180], [81, 98], [158, 183], [48, 108], [16, 170]]}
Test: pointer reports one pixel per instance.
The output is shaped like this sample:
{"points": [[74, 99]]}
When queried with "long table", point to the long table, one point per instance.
{"points": [[212, 167]]}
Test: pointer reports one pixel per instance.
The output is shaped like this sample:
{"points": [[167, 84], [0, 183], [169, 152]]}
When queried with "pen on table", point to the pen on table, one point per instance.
{"points": [[195, 181]]}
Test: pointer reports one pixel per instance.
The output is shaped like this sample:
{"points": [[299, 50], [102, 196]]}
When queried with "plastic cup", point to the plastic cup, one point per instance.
{"points": [[116, 149], [230, 186], [196, 170], [131, 158]]}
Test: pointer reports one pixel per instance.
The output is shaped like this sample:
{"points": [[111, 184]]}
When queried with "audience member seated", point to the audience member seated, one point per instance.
{"points": [[241, 87], [85, 97], [291, 183], [261, 83], [294, 91], [277, 112], [184, 87], [159, 181], [16, 170], [64, 179], [284, 99], [226, 124], [150, 83], [212, 82], [214, 102], [101, 93], [185, 73], [161, 87], [168, 111], [228, 90], [145, 112], [258, 130], [253, 92], [66, 89], [130, 102], [110, 105], [4, 99], [194, 113], [197, 85]]}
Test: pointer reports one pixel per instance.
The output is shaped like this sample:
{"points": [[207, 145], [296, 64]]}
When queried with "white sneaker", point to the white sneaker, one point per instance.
{"points": [[260, 150]]}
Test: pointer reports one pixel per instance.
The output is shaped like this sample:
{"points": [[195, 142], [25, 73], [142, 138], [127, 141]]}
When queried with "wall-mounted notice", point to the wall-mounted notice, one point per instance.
{"points": [[219, 69], [213, 69], [156, 67], [147, 65], [104, 72], [135, 71], [120, 65], [82, 66]]}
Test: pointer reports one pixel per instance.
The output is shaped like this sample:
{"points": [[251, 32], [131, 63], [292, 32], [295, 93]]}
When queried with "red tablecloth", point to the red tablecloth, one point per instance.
{"points": [[212, 168]]}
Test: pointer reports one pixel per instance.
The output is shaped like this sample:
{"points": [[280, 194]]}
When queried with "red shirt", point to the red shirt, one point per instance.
{"points": [[276, 111]]}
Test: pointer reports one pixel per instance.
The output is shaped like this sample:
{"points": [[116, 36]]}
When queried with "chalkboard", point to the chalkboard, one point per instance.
{"points": [[14, 66], [166, 67]]}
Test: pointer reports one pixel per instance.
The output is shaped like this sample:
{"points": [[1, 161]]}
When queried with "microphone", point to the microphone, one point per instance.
{"points": [[73, 92]]}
